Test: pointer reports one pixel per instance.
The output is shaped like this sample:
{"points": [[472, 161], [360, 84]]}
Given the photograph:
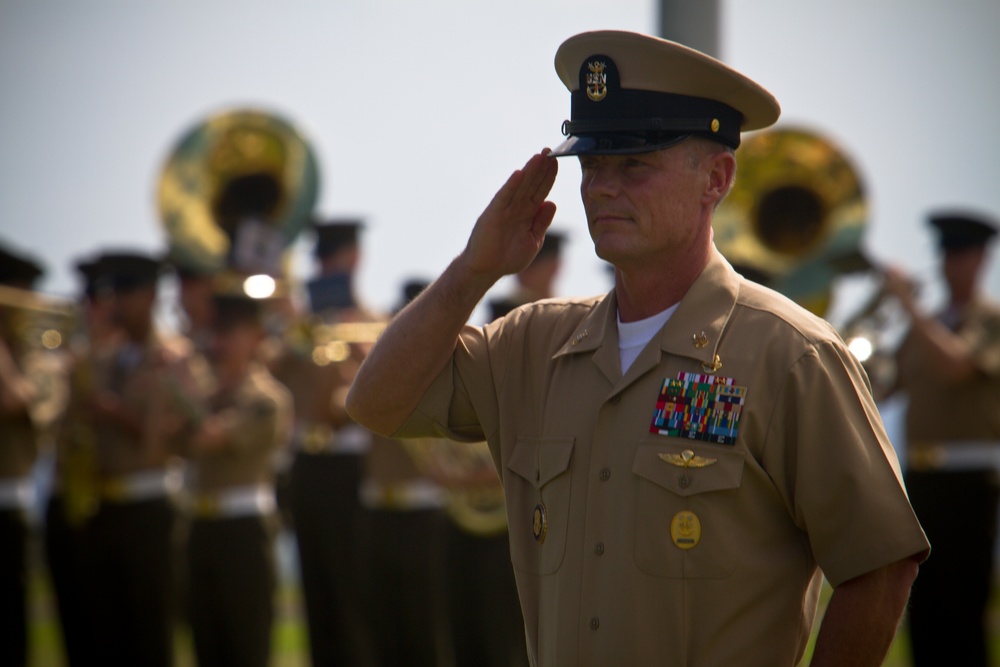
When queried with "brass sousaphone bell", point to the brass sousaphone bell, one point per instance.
{"points": [[236, 190], [795, 217]]}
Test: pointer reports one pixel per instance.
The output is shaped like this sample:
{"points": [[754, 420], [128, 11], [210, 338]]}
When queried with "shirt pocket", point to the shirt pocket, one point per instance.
{"points": [[707, 487], [538, 496]]}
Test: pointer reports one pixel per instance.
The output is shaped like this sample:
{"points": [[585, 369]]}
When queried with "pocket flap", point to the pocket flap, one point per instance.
{"points": [[714, 469], [540, 460]]}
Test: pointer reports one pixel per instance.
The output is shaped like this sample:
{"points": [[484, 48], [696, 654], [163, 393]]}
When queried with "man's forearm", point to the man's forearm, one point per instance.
{"points": [[862, 617], [413, 349]]}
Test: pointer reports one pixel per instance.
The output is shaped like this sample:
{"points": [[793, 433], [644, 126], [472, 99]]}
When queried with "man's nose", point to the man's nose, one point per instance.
{"points": [[601, 182]]}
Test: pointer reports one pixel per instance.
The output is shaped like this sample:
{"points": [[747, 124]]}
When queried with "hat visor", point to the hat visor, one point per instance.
{"points": [[615, 144]]}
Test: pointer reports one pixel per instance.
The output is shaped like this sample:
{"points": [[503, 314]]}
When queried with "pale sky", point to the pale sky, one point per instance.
{"points": [[419, 111]]}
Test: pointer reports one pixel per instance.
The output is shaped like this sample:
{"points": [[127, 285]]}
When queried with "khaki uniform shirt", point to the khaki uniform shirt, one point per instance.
{"points": [[24, 433], [258, 418], [810, 482], [162, 383], [940, 412]]}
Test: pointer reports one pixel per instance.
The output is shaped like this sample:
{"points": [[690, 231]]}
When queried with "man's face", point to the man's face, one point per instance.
{"points": [[133, 306], [961, 269], [195, 297], [644, 207], [234, 343]]}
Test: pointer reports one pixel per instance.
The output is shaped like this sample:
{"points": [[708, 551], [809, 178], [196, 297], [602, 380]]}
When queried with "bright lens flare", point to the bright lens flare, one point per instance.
{"points": [[861, 348], [259, 287]]}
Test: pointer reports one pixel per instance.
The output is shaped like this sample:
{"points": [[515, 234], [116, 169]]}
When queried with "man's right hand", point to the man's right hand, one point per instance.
{"points": [[511, 230], [421, 339]]}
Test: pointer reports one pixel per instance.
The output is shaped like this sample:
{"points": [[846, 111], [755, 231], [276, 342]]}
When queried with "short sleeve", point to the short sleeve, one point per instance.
{"points": [[458, 397], [832, 461]]}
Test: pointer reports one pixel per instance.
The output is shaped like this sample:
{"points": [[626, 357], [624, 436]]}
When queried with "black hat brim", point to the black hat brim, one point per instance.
{"points": [[615, 144]]}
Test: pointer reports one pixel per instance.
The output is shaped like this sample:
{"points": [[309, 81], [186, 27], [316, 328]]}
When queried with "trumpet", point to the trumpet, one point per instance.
{"points": [[331, 342], [874, 332], [873, 327]]}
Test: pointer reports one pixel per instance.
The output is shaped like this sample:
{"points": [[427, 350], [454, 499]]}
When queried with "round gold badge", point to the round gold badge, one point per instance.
{"points": [[539, 523], [685, 530]]}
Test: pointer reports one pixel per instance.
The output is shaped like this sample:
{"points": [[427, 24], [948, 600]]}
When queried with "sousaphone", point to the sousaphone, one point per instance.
{"points": [[236, 190], [795, 217]]}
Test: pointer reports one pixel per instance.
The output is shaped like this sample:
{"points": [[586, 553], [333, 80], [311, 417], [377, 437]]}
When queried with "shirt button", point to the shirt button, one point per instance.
{"points": [[616, 399], [684, 481], [605, 474], [599, 548], [595, 623]]}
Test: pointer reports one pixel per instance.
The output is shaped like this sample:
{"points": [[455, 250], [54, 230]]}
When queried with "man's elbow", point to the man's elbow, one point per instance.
{"points": [[361, 409]]}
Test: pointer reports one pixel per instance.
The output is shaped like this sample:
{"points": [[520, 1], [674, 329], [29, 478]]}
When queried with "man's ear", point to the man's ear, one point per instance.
{"points": [[722, 171]]}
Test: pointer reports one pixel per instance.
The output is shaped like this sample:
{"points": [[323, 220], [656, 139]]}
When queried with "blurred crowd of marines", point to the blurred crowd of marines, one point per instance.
{"points": [[180, 457]]}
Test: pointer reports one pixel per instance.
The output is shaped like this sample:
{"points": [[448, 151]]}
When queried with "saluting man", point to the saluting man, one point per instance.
{"points": [[686, 457]]}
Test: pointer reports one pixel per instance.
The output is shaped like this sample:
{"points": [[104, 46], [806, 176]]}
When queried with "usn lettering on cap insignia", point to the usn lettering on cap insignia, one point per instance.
{"points": [[539, 523], [699, 407], [685, 529], [597, 80]]}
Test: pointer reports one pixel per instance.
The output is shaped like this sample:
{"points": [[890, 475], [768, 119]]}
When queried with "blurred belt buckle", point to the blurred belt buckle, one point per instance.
{"points": [[114, 490], [927, 458], [391, 498], [317, 439], [206, 507]]}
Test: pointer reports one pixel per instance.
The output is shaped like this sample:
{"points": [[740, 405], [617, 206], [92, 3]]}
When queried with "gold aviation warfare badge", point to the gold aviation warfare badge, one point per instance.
{"points": [[687, 459]]}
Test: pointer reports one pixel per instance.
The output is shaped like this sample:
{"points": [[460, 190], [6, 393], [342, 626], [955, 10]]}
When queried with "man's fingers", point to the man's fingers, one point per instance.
{"points": [[528, 186], [539, 176], [543, 218]]}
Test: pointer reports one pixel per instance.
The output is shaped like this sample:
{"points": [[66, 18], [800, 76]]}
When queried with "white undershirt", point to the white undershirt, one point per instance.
{"points": [[633, 336]]}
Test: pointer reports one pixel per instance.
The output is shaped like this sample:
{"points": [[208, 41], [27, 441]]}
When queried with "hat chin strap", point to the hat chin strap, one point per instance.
{"points": [[628, 125]]}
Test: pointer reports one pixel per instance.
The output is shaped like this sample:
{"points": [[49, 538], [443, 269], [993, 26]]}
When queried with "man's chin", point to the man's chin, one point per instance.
{"points": [[610, 249]]}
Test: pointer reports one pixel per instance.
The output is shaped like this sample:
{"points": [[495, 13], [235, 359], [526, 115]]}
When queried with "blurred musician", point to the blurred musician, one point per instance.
{"points": [[949, 367], [19, 436], [74, 491], [328, 454], [230, 552], [535, 282], [142, 399]]}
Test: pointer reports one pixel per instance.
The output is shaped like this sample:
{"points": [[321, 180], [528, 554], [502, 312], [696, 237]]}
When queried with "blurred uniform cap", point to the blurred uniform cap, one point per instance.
{"points": [[552, 244], [633, 93], [334, 234], [236, 308], [125, 270], [18, 269], [961, 229], [94, 278]]}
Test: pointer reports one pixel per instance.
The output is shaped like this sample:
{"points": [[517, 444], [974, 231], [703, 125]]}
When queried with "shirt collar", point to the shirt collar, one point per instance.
{"points": [[693, 331]]}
